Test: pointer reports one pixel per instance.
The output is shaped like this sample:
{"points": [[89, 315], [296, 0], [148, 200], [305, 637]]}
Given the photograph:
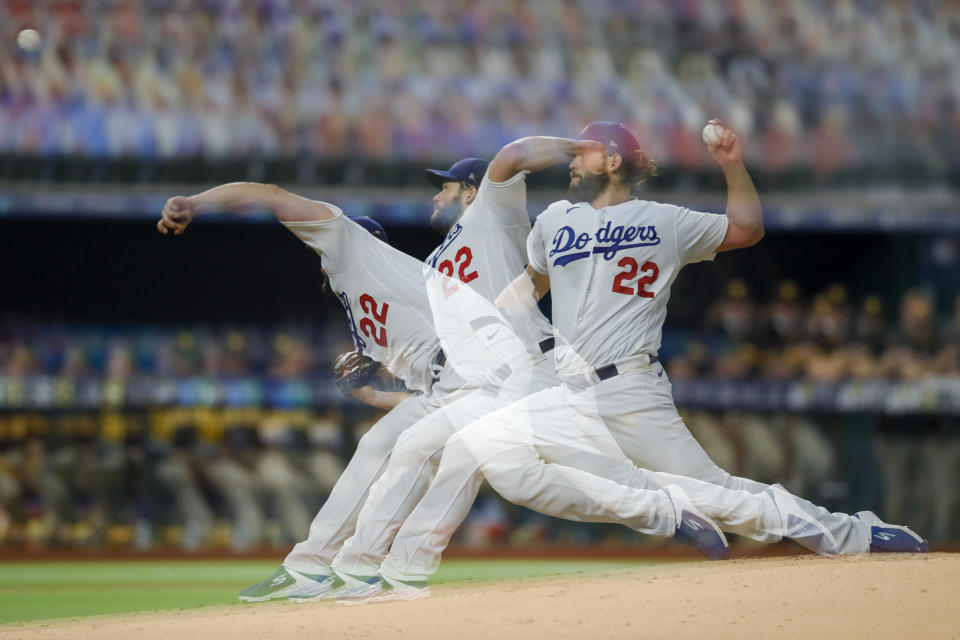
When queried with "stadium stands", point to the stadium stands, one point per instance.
{"points": [[820, 89]]}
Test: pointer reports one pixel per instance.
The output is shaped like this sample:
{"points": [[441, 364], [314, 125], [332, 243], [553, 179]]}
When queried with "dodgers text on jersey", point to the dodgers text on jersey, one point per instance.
{"points": [[608, 241]]}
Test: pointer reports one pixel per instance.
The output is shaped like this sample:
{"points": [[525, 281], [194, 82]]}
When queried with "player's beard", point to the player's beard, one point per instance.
{"points": [[444, 217], [590, 186]]}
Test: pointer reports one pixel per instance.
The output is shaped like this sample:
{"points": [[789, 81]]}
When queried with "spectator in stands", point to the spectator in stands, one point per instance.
{"points": [[783, 318], [179, 472], [833, 86], [914, 341], [871, 325], [285, 487], [735, 316]]}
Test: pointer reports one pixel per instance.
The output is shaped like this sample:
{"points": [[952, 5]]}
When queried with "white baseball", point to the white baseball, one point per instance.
{"points": [[712, 134], [29, 40]]}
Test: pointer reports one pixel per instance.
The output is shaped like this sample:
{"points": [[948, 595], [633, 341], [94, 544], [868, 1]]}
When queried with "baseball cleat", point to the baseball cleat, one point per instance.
{"points": [[327, 591], [390, 591], [356, 587], [799, 525], [891, 538], [695, 528], [286, 583]]}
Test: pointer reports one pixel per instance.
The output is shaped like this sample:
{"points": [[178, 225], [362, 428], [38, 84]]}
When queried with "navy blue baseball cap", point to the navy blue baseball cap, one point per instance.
{"points": [[615, 137], [372, 226], [469, 170]]}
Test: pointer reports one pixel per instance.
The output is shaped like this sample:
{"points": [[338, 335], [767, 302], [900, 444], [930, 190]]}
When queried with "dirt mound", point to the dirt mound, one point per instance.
{"points": [[895, 596]]}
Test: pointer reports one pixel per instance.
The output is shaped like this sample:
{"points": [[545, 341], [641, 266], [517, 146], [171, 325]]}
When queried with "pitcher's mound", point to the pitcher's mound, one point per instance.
{"points": [[892, 596]]}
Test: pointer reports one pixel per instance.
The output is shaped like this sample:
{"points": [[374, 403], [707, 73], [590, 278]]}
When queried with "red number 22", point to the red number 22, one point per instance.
{"points": [[464, 257], [630, 272], [369, 329]]}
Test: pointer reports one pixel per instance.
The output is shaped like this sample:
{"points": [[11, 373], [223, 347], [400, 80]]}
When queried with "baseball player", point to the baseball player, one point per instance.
{"points": [[491, 227], [390, 321], [615, 258], [580, 467]]}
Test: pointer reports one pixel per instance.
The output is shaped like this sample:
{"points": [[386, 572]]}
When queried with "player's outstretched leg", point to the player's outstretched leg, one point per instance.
{"points": [[693, 528], [838, 533], [336, 520]]}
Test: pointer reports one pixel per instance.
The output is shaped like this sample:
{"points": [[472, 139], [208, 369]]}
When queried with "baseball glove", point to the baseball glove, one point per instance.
{"points": [[353, 370]]}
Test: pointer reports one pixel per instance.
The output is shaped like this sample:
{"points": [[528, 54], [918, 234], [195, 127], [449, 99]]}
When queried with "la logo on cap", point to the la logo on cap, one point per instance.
{"points": [[612, 143]]}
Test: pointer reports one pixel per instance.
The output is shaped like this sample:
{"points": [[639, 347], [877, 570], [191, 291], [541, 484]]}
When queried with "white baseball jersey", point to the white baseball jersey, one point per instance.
{"points": [[486, 248], [382, 292], [611, 270]]}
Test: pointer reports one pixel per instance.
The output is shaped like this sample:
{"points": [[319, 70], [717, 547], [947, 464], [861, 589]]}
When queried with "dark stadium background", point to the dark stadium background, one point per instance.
{"points": [[222, 272]]}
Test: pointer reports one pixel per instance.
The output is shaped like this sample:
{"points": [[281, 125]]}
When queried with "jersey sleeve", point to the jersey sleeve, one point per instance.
{"points": [[338, 240], [536, 249], [503, 204], [698, 234]]}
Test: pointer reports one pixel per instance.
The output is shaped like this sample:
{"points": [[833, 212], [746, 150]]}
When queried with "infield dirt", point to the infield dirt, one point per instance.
{"points": [[891, 596]]}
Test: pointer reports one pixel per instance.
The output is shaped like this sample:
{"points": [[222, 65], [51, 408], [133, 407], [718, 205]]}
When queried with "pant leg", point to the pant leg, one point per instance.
{"points": [[420, 541], [504, 447], [411, 468], [587, 444], [638, 409], [335, 521], [752, 515]]}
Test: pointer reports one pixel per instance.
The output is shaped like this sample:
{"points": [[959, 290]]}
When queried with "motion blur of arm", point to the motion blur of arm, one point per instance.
{"points": [[743, 203], [241, 197], [531, 154], [535, 153], [380, 399], [524, 292]]}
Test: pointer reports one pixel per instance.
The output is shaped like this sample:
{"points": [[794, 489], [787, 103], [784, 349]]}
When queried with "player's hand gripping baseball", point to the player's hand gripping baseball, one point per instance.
{"points": [[726, 149], [177, 214]]}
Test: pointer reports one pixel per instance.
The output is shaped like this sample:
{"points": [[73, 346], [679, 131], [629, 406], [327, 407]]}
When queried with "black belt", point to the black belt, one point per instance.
{"points": [[610, 370]]}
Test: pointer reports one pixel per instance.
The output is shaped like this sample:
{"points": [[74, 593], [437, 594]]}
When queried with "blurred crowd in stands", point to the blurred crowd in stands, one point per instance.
{"points": [[822, 86], [168, 479], [827, 338], [781, 335], [210, 475], [278, 352]]}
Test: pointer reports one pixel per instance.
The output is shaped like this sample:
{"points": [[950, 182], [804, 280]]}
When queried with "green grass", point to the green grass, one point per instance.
{"points": [[42, 590]]}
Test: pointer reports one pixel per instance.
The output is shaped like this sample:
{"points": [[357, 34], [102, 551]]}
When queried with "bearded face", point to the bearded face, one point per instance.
{"points": [[445, 215], [447, 206], [586, 187]]}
